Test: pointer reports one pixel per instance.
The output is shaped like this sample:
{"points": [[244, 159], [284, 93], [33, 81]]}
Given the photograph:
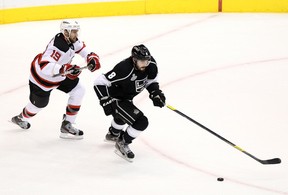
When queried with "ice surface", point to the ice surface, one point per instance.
{"points": [[226, 71]]}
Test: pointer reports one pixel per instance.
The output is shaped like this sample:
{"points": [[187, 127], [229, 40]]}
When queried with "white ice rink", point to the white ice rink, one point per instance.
{"points": [[226, 71]]}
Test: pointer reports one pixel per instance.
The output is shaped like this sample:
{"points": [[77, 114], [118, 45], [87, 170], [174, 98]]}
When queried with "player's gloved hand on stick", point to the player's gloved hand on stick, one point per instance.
{"points": [[93, 62], [70, 71], [106, 102], [158, 98]]}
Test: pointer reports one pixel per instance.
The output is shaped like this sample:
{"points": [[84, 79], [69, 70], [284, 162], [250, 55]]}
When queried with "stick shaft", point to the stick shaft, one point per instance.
{"points": [[70, 71], [271, 161]]}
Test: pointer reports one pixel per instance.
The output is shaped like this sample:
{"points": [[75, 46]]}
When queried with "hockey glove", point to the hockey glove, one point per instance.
{"points": [[93, 62], [70, 71], [158, 98], [106, 102]]}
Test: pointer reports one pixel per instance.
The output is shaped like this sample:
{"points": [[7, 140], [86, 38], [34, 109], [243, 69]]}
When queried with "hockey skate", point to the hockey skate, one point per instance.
{"points": [[18, 120], [111, 137], [123, 150], [68, 131]]}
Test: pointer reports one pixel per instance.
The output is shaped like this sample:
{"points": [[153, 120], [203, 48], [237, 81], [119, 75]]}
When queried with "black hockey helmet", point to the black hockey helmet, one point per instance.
{"points": [[140, 52]]}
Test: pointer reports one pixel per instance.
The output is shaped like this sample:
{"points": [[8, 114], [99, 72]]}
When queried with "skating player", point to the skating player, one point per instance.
{"points": [[116, 90], [56, 59]]}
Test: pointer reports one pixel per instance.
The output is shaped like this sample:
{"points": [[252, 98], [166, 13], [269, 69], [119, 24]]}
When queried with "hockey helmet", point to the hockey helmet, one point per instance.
{"points": [[140, 52], [69, 25]]}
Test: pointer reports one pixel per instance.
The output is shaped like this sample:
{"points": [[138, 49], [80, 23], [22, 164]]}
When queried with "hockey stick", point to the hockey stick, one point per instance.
{"points": [[264, 162], [70, 71]]}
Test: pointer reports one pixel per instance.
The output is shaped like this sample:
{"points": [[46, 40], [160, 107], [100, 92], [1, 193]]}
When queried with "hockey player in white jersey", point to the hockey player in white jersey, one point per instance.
{"points": [[56, 60]]}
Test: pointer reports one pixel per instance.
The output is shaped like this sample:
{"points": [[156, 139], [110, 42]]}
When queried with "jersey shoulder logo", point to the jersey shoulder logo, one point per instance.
{"points": [[134, 77], [136, 111]]}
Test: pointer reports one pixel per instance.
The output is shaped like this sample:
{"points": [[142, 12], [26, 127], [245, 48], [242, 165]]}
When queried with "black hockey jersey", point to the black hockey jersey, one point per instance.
{"points": [[124, 81]]}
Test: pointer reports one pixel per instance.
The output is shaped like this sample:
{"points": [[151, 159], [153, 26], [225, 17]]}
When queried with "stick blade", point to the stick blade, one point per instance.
{"points": [[271, 161]]}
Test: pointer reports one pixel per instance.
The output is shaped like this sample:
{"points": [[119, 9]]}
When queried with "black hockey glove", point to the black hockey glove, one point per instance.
{"points": [[158, 98], [106, 102]]}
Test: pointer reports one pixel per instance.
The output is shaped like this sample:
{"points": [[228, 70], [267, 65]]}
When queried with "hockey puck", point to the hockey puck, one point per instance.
{"points": [[220, 179]]}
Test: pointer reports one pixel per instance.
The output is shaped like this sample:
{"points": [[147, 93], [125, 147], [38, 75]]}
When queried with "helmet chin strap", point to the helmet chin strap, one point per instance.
{"points": [[67, 38], [135, 63]]}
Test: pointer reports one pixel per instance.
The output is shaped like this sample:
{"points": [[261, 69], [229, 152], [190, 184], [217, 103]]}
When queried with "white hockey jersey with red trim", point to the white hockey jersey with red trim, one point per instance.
{"points": [[48, 63]]}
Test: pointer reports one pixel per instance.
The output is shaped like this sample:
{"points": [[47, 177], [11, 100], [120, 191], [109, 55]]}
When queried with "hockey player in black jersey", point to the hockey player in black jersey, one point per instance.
{"points": [[116, 90]]}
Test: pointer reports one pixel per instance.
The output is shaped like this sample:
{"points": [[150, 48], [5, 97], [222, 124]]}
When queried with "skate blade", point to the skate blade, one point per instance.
{"points": [[123, 156], [109, 141], [70, 136], [22, 127]]}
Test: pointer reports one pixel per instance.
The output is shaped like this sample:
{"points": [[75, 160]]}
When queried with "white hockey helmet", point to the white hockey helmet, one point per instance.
{"points": [[69, 25]]}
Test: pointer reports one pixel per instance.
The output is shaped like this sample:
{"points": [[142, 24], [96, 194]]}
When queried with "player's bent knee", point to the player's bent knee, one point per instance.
{"points": [[78, 91], [141, 123], [119, 120], [82, 90], [39, 101]]}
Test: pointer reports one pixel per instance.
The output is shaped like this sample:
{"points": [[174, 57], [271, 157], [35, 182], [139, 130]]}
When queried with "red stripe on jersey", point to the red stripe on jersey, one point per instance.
{"points": [[42, 63], [81, 48], [41, 81]]}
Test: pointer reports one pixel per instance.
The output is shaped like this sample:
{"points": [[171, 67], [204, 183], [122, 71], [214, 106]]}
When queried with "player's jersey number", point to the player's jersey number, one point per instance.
{"points": [[111, 75], [55, 55]]}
